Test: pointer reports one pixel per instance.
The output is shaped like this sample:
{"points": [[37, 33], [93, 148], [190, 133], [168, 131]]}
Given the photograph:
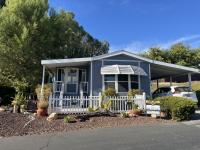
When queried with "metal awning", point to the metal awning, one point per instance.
{"points": [[123, 69]]}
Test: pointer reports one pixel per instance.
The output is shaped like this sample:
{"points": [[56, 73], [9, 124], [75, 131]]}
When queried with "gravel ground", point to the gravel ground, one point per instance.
{"points": [[19, 124]]}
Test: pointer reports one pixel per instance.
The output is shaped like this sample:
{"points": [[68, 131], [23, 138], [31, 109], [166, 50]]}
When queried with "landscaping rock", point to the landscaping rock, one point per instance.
{"points": [[52, 116], [2, 109]]}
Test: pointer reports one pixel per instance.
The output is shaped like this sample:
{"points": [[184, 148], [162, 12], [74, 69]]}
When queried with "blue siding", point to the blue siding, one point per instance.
{"points": [[97, 77]]}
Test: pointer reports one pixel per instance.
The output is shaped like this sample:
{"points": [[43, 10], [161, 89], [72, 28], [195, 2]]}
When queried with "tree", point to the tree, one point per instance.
{"points": [[176, 54], [2, 3], [30, 32]]}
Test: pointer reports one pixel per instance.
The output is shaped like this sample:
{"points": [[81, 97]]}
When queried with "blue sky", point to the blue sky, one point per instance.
{"points": [[136, 25]]}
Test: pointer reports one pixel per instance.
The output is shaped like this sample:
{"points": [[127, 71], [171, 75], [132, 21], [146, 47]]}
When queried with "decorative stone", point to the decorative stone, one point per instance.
{"points": [[154, 115], [2, 109], [35, 114], [52, 116]]}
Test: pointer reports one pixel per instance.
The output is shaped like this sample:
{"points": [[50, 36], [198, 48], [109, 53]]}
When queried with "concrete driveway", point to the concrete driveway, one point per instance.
{"points": [[154, 137]]}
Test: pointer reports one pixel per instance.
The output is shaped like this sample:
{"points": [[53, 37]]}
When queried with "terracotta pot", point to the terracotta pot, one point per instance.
{"points": [[41, 112], [163, 114], [136, 112]]}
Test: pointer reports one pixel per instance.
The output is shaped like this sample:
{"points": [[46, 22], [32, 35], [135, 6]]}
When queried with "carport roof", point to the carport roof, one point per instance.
{"points": [[158, 69]]}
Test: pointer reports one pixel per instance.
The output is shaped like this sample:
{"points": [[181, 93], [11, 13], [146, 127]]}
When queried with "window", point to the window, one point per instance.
{"points": [[60, 74], [123, 83], [134, 82], [109, 81]]}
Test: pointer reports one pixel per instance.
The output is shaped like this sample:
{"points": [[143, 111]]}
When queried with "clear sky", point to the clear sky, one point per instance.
{"points": [[136, 25]]}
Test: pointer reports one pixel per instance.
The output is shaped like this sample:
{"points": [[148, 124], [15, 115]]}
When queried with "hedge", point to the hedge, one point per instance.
{"points": [[177, 108]]}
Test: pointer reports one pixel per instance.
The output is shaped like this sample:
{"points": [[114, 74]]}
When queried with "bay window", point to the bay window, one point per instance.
{"points": [[122, 83]]}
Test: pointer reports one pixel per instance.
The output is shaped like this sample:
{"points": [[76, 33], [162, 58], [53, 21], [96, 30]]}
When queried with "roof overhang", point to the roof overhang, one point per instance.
{"points": [[52, 63]]}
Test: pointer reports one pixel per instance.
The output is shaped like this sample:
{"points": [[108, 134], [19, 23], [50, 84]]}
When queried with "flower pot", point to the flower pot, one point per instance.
{"points": [[163, 114], [136, 112], [41, 112]]}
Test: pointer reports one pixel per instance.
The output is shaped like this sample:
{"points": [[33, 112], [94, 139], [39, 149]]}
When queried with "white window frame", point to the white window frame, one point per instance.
{"points": [[117, 85]]}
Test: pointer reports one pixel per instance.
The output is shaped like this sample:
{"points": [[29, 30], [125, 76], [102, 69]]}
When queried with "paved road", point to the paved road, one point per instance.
{"points": [[157, 137]]}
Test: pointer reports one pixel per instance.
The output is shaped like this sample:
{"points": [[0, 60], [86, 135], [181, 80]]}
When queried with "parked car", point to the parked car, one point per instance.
{"points": [[179, 91]]}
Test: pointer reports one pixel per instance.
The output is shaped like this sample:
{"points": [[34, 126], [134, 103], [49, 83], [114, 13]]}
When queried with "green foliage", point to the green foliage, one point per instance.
{"points": [[42, 104], [133, 92], [19, 99], [90, 109], [135, 106], [106, 105], [69, 119], [124, 114], [30, 32], [176, 54], [177, 108], [110, 91], [47, 89]]}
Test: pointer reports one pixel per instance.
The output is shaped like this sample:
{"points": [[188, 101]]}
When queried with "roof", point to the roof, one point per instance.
{"points": [[161, 66], [122, 69]]}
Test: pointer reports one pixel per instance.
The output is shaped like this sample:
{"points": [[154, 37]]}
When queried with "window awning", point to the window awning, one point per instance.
{"points": [[123, 69]]}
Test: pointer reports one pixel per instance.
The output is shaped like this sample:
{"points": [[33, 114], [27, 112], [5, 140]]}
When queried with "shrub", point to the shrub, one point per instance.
{"points": [[133, 92], [178, 108], [90, 109], [42, 104], [69, 119], [19, 99], [110, 91], [124, 115], [46, 91]]}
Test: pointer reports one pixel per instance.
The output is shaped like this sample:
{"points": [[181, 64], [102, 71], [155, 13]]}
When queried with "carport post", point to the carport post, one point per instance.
{"points": [[157, 84], [42, 87], [170, 80], [190, 80]]}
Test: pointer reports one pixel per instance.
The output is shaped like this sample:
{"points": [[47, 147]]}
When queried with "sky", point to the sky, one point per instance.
{"points": [[136, 25]]}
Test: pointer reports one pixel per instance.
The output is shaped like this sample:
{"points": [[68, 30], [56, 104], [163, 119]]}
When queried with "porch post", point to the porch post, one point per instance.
{"points": [[91, 78], [42, 87], [170, 80], [139, 79], [190, 80]]}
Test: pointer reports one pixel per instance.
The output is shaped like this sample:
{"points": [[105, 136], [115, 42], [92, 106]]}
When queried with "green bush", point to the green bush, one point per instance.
{"points": [[177, 108], [133, 92], [69, 119], [110, 91]]}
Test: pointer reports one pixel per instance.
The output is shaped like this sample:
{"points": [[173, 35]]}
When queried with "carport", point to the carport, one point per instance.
{"points": [[160, 70]]}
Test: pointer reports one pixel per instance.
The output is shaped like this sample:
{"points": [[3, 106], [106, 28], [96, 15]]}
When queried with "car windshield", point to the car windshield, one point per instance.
{"points": [[182, 89]]}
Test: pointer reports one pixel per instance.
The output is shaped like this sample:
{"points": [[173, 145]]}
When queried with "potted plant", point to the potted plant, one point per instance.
{"points": [[42, 106], [135, 111]]}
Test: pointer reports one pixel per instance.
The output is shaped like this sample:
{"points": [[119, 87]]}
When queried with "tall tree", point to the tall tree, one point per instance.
{"points": [[29, 32], [2, 3]]}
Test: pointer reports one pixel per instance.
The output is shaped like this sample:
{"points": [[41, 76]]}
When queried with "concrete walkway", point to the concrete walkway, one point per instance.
{"points": [[148, 137]]}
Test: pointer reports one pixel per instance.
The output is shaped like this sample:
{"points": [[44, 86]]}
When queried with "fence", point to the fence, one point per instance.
{"points": [[84, 104]]}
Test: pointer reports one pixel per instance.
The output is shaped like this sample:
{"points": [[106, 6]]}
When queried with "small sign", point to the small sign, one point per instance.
{"points": [[153, 109]]}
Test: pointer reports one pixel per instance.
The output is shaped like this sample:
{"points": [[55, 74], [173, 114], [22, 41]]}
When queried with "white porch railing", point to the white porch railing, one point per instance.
{"points": [[79, 105]]}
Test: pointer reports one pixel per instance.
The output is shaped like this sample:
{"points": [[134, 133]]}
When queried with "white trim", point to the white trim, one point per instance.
{"points": [[89, 59], [69, 60], [121, 60], [190, 80], [43, 76], [116, 83], [91, 78]]}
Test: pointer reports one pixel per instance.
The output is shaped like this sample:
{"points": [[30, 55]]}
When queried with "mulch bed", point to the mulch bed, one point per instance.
{"points": [[15, 124]]}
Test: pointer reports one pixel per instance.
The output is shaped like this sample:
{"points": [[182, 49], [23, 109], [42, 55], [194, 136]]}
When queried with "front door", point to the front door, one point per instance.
{"points": [[71, 81]]}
